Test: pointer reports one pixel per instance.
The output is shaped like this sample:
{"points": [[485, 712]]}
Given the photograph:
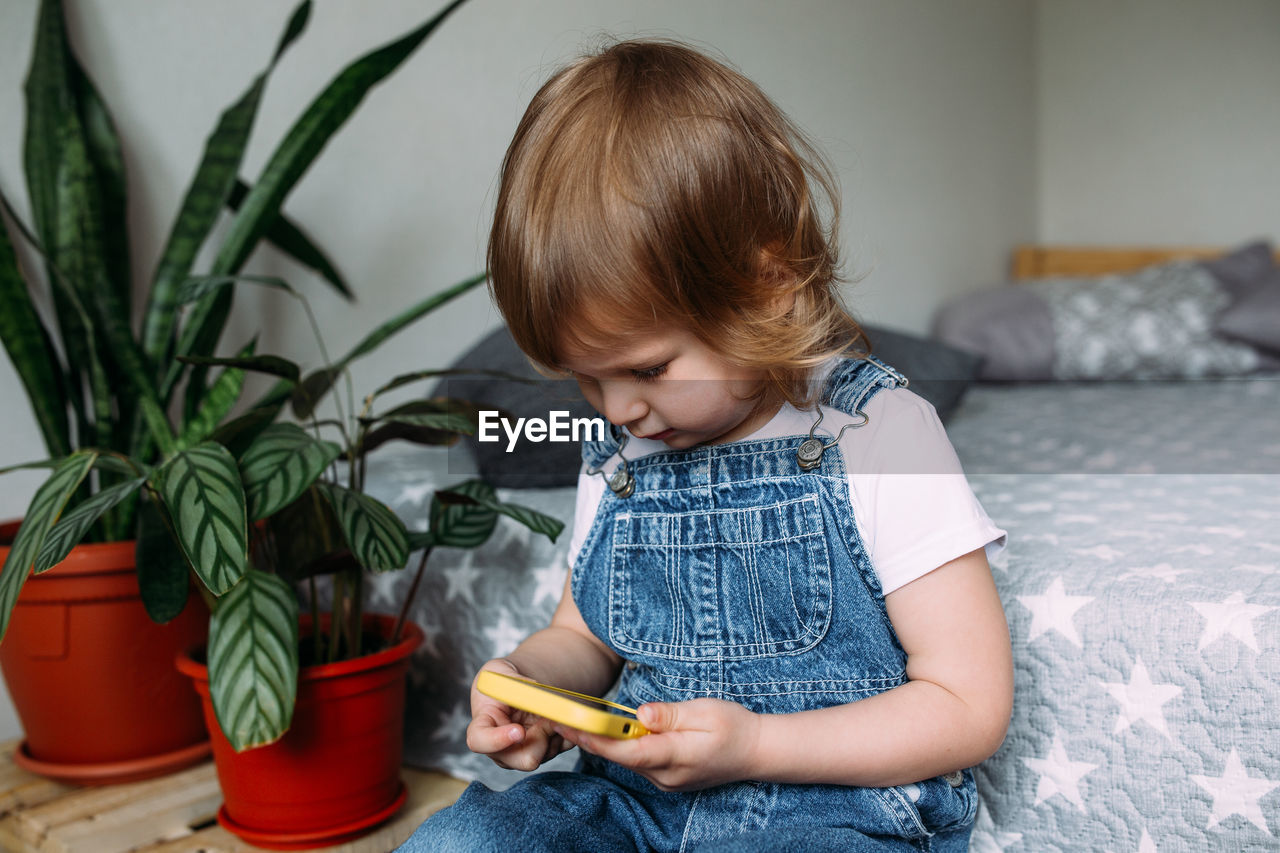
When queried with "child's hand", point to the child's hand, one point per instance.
{"points": [[512, 738], [694, 744]]}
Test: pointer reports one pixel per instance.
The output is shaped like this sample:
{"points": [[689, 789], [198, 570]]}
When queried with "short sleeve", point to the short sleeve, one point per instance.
{"points": [[913, 506], [590, 492]]}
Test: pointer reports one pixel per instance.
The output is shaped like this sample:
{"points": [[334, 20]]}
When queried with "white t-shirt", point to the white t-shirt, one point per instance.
{"points": [[913, 506]]}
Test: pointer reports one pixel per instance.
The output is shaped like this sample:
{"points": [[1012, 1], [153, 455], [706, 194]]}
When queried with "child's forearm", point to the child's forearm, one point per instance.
{"points": [[913, 732], [563, 657]]}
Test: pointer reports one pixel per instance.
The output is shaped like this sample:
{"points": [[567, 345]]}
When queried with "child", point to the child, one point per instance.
{"points": [[810, 629]]}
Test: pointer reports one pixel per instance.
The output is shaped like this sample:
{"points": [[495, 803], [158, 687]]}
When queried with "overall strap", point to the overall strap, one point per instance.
{"points": [[850, 384]]}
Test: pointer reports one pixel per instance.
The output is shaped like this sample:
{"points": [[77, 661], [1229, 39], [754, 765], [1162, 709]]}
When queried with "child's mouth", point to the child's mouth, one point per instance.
{"points": [[658, 436]]}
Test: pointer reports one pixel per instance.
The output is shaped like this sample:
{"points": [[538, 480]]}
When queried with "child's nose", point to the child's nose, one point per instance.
{"points": [[622, 405]]}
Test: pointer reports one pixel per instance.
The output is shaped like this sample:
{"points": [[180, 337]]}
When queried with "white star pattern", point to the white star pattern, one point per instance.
{"points": [[453, 724], [1202, 550], [1236, 792], [1053, 611], [382, 588], [461, 582], [1102, 552], [1059, 774], [1233, 616], [985, 837], [1140, 699], [1145, 844], [548, 582], [504, 636], [1160, 571]]}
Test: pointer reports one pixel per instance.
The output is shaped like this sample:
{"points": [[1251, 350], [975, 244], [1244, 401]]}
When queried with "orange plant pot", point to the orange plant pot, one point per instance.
{"points": [[336, 772], [92, 677]]}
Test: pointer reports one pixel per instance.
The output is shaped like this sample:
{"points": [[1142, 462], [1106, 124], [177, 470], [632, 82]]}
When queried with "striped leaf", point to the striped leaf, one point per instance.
{"points": [[293, 241], [41, 516], [210, 186], [253, 660], [445, 421], [32, 352], [72, 527], [162, 569], [280, 465], [459, 519], [221, 396], [536, 521], [201, 490], [375, 535]]}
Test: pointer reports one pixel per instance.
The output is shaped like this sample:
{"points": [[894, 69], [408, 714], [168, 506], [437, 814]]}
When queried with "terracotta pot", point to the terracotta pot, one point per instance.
{"points": [[92, 677], [336, 772]]}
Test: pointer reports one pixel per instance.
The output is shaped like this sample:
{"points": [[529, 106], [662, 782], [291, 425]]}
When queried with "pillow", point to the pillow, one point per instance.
{"points": [[545, 464], [938, 372], [1009, 327], [1255, 317], [1155, 323]]}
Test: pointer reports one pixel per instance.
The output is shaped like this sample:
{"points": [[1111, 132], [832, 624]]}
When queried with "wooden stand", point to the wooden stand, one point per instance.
{"points": [[170, 814]]}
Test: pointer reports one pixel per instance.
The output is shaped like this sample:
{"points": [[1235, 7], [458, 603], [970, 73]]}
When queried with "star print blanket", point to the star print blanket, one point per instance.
{"points": [[1141, 585]]}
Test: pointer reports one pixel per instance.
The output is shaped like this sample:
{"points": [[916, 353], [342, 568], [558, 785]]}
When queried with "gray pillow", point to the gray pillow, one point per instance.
{"points": [[1241, 271], [545, 464], [1255, 317], [1009, 327]]}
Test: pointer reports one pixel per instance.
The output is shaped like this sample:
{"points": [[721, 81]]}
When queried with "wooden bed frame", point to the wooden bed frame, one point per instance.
{"points": [[1033, 261]]}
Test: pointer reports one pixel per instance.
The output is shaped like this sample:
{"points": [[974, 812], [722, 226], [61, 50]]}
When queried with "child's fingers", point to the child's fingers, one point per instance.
{"points": [[486, 735]]}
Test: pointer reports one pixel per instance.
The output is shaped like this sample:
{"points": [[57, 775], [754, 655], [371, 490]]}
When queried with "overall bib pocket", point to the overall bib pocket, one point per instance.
{"points": [[730, 583]]}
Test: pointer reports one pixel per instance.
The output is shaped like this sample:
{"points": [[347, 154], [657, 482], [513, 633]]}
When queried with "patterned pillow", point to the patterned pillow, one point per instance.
{"points": [[1153, 324]]}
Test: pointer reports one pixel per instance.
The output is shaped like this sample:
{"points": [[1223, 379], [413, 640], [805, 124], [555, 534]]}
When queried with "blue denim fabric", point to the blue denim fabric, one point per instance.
{"points": [[732, 573]]}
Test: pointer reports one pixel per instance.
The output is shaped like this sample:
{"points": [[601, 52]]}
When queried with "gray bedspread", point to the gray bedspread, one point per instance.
{"points": [[1141, 585]]}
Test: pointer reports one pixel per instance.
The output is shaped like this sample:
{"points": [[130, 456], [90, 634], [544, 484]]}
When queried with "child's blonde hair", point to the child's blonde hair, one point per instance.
{"points": [[648, 184]]}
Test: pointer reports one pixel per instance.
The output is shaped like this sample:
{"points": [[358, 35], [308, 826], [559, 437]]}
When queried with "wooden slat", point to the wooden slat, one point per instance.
{"points": [[157, 815], [1032, 261]]}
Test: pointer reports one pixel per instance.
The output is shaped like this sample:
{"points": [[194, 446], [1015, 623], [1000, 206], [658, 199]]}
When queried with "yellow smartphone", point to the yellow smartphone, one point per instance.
{"points": [[561, 706]]}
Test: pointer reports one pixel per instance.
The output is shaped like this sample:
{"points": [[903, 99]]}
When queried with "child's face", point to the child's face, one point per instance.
{"points": [[668, 386]]}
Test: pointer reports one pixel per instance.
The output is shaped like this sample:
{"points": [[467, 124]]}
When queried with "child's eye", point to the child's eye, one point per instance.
{"points": [[649, 374]]}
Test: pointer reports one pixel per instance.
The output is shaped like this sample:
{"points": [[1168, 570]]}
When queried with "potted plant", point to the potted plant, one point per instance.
{"points": [[310, 754], [126, 422]]}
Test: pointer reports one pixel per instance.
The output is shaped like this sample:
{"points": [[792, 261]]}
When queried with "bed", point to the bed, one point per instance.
{"points": [[1141, 585]]}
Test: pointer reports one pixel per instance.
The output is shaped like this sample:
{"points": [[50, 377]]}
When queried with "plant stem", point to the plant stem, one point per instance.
{"points": [[408, 599], [315, 620], [357, 613], [335, 616]]}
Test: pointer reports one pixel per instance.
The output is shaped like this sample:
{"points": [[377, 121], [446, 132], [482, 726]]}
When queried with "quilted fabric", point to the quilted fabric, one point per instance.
{"points": [[1141, 585], [1153, 324]]}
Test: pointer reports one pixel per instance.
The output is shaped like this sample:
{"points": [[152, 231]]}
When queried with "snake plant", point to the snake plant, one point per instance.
{"points": [[136, 421]]}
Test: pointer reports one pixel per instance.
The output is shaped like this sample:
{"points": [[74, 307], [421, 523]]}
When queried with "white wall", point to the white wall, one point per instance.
{"points": [[1159, 121]]}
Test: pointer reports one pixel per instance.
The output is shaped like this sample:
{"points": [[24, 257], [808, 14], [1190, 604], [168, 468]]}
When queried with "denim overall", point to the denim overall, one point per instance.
{"points": [[729, 572]]}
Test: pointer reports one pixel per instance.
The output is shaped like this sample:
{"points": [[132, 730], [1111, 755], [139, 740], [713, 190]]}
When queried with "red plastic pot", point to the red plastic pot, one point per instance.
{"points": [[336, 772], [92, 677]]}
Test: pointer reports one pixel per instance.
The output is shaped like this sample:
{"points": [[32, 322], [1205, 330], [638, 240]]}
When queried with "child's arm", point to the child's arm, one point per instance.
{"points": [[566, 654], [953, 713]]}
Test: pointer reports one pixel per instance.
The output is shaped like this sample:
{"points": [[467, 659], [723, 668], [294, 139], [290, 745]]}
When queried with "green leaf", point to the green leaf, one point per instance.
{"points": [[305, 538], [162, 567], [72, 527], [218, 400], [444, 421], [198, 287], [374, 533], [32, 352], [419, 539], [465, 522], [273, 365], [280, 465], [238, 434], [201, 490], [290, 239], [418, 376], [290, 161], [209, 188], [253, 660], [42, 514], [312, 391]]}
